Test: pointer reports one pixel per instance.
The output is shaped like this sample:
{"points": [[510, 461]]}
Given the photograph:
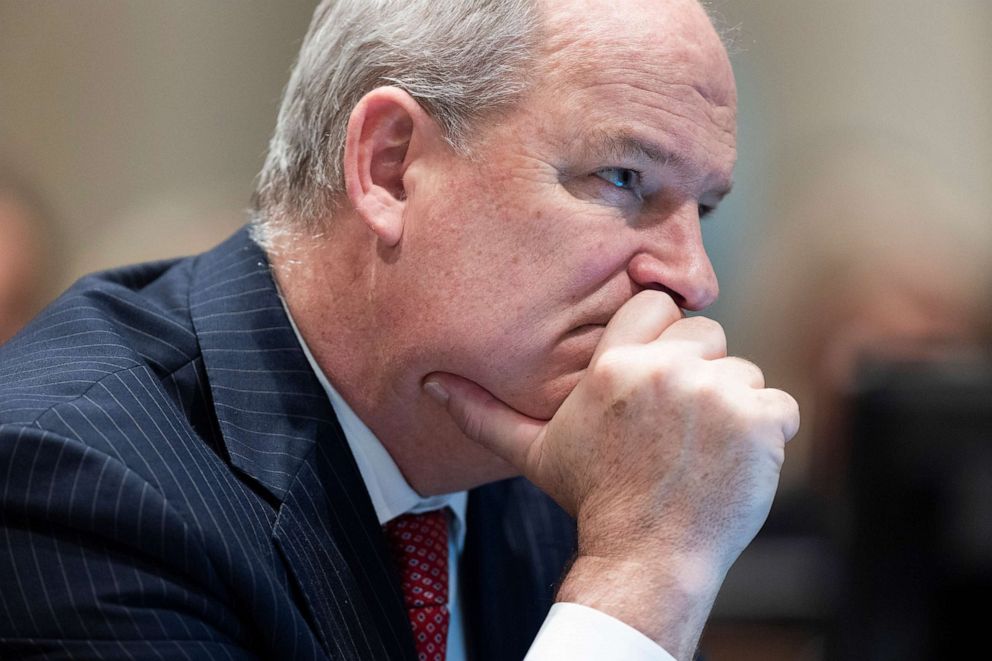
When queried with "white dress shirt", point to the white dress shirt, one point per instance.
{"points": [[571, 631]]}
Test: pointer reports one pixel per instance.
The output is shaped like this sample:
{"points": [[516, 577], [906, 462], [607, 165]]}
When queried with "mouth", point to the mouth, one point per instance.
{"points": [[580, 343], [584, 329]]}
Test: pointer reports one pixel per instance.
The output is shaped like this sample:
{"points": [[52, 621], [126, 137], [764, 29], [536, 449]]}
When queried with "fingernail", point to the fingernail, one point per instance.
{"points": [[437, 391]]}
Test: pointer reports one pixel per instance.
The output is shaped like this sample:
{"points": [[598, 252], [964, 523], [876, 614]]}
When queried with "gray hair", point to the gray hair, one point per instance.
{"points": [[460, 59]]}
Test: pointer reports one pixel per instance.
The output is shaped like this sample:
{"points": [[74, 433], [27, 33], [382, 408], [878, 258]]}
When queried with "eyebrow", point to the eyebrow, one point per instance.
{"points": [[624, 144]]}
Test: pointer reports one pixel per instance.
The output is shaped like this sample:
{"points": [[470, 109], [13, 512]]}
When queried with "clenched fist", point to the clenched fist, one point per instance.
{"points": [[668, 454]]}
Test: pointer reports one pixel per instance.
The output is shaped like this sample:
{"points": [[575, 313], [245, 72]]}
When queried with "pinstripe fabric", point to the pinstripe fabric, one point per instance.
{"points": [[174, 485], [517, 545]]}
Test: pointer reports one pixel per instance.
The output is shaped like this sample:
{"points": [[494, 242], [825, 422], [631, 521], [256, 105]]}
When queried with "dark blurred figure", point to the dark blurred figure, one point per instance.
{"points": [[918, 568], [27, 269]]}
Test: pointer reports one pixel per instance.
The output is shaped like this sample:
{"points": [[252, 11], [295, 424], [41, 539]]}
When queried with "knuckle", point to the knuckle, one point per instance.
{"points": [[785, 402], [701, 326], [757, 374], [784, 408], [668, 372], [711, 329], [711, 395], [610, 368], [619, 367], [747, 363], [710, 325], [745, 366]]}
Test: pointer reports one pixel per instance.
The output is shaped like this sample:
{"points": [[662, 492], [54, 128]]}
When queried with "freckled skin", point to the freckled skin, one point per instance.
{"points": [[512, 261]]}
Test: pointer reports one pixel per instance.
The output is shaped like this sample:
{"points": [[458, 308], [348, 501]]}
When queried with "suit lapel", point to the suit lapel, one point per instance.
{"points": [[517, 546], [280, 431], [340, 561]]}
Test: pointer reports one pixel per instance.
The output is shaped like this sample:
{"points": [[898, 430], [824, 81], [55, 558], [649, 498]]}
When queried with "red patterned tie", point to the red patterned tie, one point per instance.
{"points": [[419, 545]]}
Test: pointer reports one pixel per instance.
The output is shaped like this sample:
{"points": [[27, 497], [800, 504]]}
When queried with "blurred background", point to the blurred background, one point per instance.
{"points": [[854, 260]]}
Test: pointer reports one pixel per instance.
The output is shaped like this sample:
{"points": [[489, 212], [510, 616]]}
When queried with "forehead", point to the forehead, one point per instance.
{"points": [[652, 69], [671, 37]]}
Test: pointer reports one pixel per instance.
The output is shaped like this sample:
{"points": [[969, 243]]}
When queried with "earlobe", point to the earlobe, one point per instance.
{"points": [[383, 214], [377, 154]]}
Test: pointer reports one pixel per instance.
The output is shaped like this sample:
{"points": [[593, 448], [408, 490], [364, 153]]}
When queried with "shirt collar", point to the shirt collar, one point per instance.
{"points": [[391, 494]]}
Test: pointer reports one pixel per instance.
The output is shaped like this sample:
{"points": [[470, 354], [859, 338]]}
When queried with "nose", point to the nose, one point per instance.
{"points": [[673, 259]]}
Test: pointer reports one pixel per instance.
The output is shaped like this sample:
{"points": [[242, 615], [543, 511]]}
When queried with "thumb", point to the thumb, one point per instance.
{"points": [[502, 430]]}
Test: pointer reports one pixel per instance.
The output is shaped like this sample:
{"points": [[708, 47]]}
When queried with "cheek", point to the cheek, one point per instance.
{"points": [[496, 274], [601, 262], [460, 284]]}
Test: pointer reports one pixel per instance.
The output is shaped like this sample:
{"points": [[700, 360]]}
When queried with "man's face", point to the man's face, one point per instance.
{"points": [[586, 192]]}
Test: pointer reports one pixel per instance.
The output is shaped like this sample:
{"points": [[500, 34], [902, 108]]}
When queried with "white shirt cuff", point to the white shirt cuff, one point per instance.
{"points": [[579, 633]]}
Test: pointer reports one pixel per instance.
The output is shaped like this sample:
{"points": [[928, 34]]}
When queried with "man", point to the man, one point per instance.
{"points": [[480, 221]]}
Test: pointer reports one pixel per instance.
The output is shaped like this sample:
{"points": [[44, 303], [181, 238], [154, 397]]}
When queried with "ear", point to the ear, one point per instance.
{"points": [[379, 147]]}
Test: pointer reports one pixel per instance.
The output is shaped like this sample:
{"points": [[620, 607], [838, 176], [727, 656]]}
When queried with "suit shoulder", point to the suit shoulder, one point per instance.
{"points": [[134, 318]]}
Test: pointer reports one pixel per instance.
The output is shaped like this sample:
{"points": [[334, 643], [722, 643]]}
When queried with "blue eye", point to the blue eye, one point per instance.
{"points": [[623, 178]]}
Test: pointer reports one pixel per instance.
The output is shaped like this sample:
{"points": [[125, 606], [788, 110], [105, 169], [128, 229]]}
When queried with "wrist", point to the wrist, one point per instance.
{"points": [[666, 599]]}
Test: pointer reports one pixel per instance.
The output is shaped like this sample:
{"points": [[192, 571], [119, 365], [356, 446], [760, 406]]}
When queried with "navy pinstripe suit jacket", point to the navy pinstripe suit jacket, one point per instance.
{"points": [[174, 485]]}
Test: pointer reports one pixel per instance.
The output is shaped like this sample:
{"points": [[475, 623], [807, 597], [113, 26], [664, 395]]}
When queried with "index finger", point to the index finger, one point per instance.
{"points": [[639, 321]]}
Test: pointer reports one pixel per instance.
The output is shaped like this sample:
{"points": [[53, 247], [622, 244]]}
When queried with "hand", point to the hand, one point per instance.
{"points": [[667, 452]]}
